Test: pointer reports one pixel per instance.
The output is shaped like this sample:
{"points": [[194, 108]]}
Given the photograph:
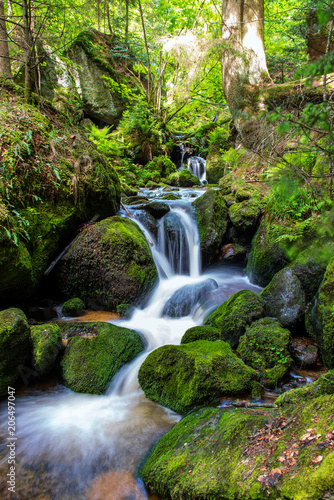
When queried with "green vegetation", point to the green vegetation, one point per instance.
{"points": [[46, 344]]}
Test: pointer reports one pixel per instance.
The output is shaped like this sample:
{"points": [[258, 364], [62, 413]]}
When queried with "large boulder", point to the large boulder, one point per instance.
{"points": [[233, 316], [184, 300], [201, 333], [73, 307], [249, 454], [212, 218], [14, 346], [185, 376], [157, 209], [46, 343], [320, 319], [91, 362], [264, 347], [109, 264], [284, 298]]}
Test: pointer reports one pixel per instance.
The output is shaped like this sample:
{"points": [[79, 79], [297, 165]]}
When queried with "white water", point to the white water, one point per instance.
{"points": [[81, 436]]}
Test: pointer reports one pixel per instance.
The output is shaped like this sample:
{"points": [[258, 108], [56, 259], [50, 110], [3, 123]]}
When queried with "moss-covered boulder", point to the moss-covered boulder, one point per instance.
{"points": [[320, 387], [183, 179], [73, 307], [109, 264], [268, 254], [249, 454], [212, 218], [184, 300], [320, 319], [14, 346], [201, 333], [284, 298], [233, 316], [161, 164], [185, 376], [46, 344], [265, 347], [90, 363], [310, 267], [245, 216]]}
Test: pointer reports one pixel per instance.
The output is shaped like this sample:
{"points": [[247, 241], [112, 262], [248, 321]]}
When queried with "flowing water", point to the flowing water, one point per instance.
{"points": [[73, 445]]}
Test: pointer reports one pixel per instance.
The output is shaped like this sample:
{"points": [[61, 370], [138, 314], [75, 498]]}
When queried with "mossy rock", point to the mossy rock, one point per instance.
{"points": [[135, 200], [14, 346], [217, 453], [268, 255], [245, 216], [89, 364], [320, 387], [161, 164], [201, 333], [109, 264], [320, 319], [188, 298], [183, 179], [211, 214], [229, 200], [284, 298], [185, 376], [171, 196], [157, 209], [244, 194], [46, 344], [127, 190], [265, 347], [233, 316], [73, 307]]}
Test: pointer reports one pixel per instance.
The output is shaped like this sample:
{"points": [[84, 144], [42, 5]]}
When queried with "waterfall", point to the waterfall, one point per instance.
{"points": [[196, 165], [78, 436]]}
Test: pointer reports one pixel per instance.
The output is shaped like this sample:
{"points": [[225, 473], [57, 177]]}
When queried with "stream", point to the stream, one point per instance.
{"points": [[72, 445]]}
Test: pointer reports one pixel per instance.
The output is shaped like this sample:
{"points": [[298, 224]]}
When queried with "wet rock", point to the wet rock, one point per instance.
{"points": [[171, 196], [264, 347], [157, 209], [89, 364], [182, 377], [305, 352], [322, 386], [109, 264], [233, 316], [284, 298], [320, 318], [201, 333], [41, 314], [116, 485], [233, 252], [184, 300], [134, 200], [245, 216], [73, 307], [14, 346], [46, 344], [212, 221]]}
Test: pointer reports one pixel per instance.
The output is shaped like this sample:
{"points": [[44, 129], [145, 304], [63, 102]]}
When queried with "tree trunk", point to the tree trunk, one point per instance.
{"points": [[126, 20], [243, 57], [147, 53], [5, 69], [28, 51]]}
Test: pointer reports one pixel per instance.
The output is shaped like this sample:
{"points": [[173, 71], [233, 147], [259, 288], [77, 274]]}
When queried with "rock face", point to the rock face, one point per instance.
{"points": [[284, 298], [14, 346], [46, 344], [233, 316], [182, 377], [89, 364], [91, 53], [264, 347], [184, 300], [320, 320], [109, 264], [212, 221], [267, 256], [219, 453]]}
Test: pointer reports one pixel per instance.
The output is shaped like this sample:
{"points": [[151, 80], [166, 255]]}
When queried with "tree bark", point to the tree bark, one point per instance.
{"points": [[5, 69], [28, 51], [147, 53], [243, 57]]}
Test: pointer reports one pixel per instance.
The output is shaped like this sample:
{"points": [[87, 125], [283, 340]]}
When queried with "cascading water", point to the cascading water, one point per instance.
{"points": [[196, 165], [76, 442]]}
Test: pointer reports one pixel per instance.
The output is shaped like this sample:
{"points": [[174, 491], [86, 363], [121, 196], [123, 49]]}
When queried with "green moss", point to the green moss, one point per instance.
{"points": [[211, 214], [14, 346], [182, 377], [320, 320], [229, 454], [183, 179], [245, 215], [46, 344], [201, 333], [233, 316], [162, 164], [73, 307], [322, 386], [265, 347], [89, 364]]}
